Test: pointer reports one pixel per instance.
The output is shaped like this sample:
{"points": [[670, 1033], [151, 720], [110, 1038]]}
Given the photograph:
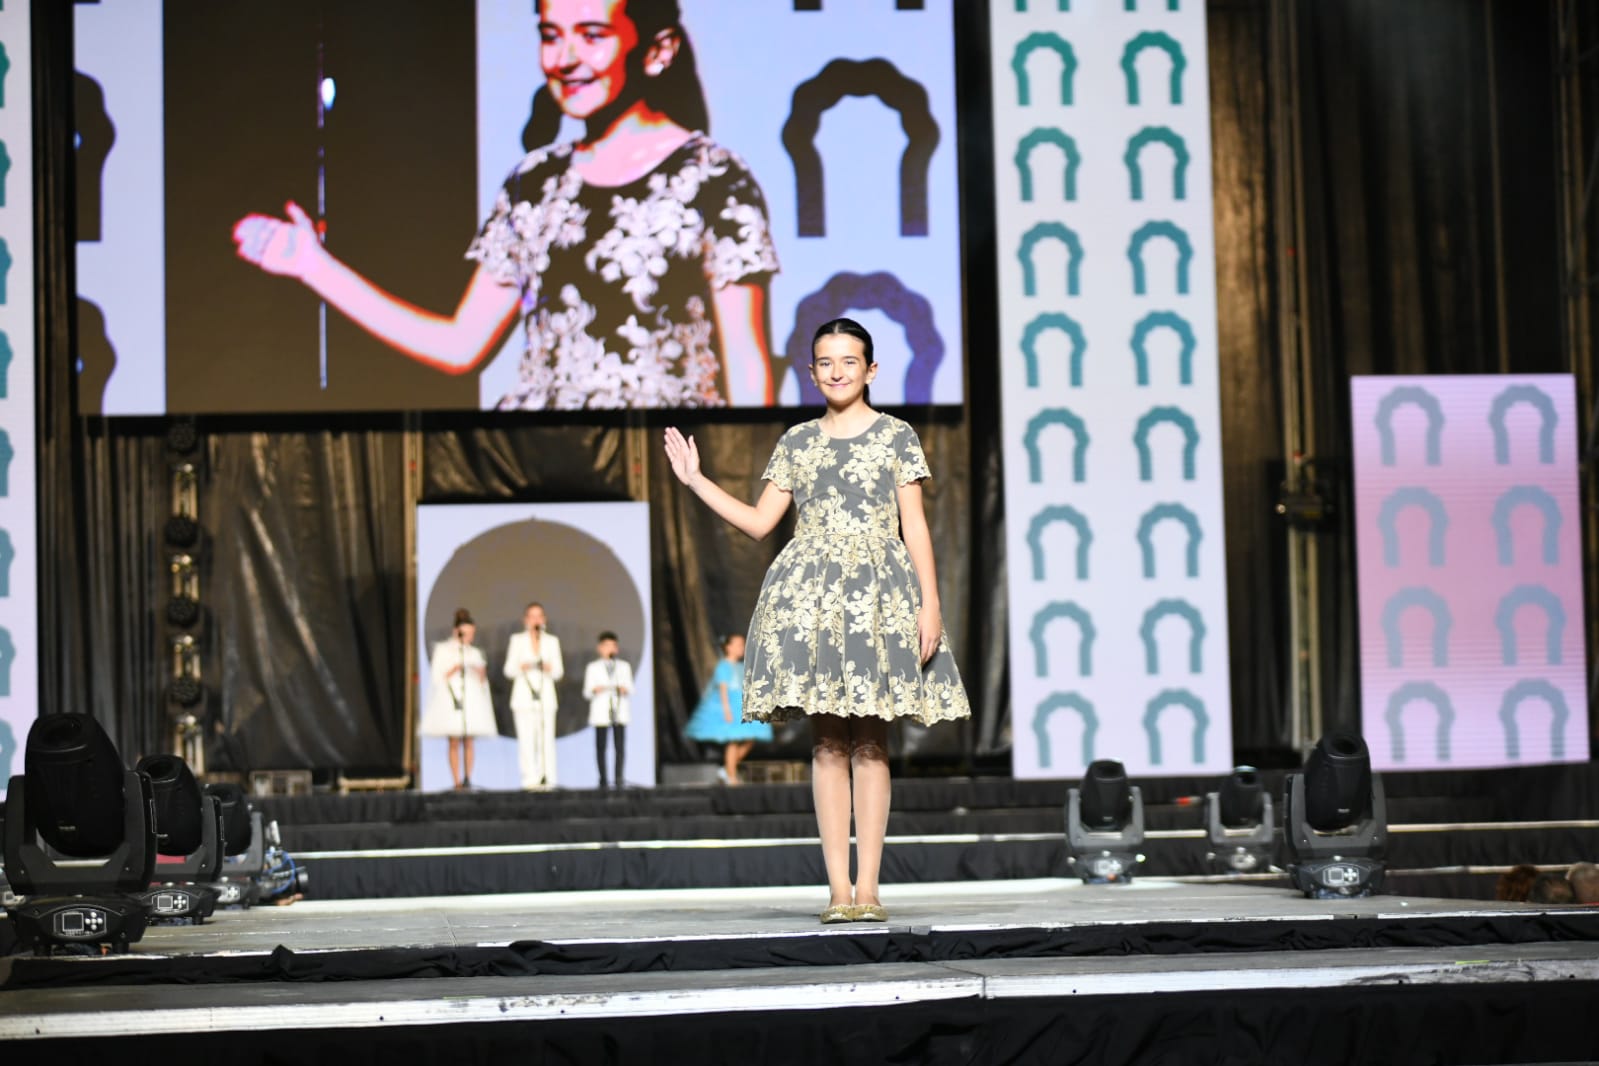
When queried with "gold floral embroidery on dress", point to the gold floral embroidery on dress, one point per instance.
{"points": [[835, 628]]}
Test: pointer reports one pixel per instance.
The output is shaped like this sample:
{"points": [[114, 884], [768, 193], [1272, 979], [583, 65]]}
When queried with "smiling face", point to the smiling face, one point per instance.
{"points": [[584, 49], [840, 369], [533, 617]]}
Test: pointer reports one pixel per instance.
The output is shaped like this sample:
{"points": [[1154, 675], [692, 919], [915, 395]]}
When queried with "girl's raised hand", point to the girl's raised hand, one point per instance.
{"points": [[683, 454], [289, 247]]}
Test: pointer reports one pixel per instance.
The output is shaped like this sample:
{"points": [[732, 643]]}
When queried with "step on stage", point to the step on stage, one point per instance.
{"points": [[1021, 971]]}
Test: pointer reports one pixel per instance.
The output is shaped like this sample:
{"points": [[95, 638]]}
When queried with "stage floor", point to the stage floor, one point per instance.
{"points": [[663, 953]]}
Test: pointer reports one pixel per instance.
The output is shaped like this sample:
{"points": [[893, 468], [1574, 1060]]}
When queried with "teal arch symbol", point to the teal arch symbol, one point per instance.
{"points": [[1056, 416], [1530, 496], [1388, 523], [1067, 325], [1185, 335], [1032, 43], [1505, 621], [1175, 697], [1064, 701], [1175, 512], [1510, 706], [1442, 622], [1165, 43], [1042, 521], [1196, 634], [1128, 5], [1154, 417], [1074, 255], [1407, 693], [1410, 394], [1135, 254], [1085, 636], [1061, 5], [1547, 420], [1064, 141], [1157, 135]]}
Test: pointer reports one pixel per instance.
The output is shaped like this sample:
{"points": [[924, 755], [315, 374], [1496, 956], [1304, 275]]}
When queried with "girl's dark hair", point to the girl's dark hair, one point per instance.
{"points": [[676, 92], [463, 617], [727, 638], [845, 327], [605, 635]]}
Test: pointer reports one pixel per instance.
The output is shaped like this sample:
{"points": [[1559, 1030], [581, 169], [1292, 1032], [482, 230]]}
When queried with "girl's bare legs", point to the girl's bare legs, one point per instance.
{"points": [[868, 755], [466, 746], [734, 754], [830, 762], [455, 761]]}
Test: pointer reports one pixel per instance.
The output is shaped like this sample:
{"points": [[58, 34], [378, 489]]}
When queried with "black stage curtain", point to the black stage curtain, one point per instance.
{"points": [[1412, 268]]}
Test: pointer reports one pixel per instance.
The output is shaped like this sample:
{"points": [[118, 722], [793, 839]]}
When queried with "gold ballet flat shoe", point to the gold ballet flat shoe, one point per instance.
{"points": [[837, 914], [868, 912]]}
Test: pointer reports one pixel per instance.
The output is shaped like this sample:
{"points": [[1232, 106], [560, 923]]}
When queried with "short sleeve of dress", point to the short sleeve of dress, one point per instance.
{"points": [[497, 244], [779, 469], [738, 237], [909, 462], [724, 674]]}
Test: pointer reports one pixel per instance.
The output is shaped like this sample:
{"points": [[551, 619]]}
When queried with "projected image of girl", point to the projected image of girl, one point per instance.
{"points": [[637, 257]]}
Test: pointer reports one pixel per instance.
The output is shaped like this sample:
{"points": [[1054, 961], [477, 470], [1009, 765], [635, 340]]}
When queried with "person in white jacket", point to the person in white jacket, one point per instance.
{"points": [[533, 666], [459, 705], [607, 684]]}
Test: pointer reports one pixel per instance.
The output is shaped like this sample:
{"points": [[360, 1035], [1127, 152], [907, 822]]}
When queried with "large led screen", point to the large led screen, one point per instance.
{"points": [[291, 205], [1469, 540]]}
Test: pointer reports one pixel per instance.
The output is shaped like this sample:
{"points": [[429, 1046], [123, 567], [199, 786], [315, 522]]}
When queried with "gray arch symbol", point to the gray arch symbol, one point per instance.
{"points": [[1135, 254], [1539, 399], [1419, 690], [1153, 417], [1068, 65], [1165, 43], [1428, 403], [1388, 523], [1510, 706], [1175, 697], [1146, 530], [1067, 325], [1064, 701], [1185, 334], [1060, 5], [1196, 634], [1505, 621], [1056, 416], [1442, 622], [1530, 495], [1066, 143], [1074, 252], [1157, 135], [1085, 636], [1072, 517]]}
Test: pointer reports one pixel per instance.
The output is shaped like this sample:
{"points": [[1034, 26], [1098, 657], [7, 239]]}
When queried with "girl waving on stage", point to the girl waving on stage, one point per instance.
{"points": [[846, 630]]}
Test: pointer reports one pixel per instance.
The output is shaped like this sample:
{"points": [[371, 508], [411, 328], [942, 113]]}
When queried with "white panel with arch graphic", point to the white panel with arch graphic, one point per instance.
{"points": [[1469, 541], [589, 565], [1118, 600]]}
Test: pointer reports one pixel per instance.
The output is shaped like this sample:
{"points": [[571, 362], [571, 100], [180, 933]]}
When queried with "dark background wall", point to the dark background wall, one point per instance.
{"points": [[1422, 255]]}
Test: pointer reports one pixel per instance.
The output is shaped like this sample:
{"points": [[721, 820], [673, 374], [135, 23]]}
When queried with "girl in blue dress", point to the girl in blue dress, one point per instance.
{"points": [[719, 717]]}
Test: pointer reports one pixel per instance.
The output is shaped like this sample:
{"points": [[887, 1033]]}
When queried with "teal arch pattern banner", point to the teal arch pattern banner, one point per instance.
{"points": [[1110, 386], [19, 600], [1469, 581]]}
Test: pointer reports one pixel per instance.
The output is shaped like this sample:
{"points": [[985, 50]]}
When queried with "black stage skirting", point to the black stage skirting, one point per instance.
{"points": [[1416, 1026], [530, 958]]}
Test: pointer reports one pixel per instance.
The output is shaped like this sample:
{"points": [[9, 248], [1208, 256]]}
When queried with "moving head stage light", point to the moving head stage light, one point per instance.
{"points": [[256, 869], [1238, 823], [1335, 821], [79, 838], [189, 838], [1104, 825]]}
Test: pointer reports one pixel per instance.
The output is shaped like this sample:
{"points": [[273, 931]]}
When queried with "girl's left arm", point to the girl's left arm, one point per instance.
{"points": [[746, 358], [919, 542]]}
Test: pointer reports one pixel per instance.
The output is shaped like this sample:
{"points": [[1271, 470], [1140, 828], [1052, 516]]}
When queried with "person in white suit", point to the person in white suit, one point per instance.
{"points": [[533, 666], [459, 705], [607, 684]]}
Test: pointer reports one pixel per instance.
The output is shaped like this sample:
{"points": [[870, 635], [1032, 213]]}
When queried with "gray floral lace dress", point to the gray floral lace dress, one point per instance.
{"points": [[834, 629], [616, 282]]}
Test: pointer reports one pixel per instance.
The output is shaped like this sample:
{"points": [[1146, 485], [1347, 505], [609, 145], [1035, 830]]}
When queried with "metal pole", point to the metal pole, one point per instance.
{"points": [[411, 458]]}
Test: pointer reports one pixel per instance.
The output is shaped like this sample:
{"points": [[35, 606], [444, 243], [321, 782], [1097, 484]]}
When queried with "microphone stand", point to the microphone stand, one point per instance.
{"points": [[538, 699]]}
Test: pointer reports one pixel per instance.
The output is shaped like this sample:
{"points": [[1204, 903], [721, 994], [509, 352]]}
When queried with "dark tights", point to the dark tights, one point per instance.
{"points": [[600, 735]]}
